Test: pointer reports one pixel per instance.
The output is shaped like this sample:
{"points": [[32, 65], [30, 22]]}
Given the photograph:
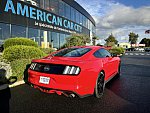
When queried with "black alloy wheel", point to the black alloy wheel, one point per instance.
{"points": [[100, 85]]}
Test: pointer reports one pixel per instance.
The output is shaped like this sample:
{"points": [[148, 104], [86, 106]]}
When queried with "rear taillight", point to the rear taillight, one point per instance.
{"points": [[55, 69], [71, 70], [33, 65]]}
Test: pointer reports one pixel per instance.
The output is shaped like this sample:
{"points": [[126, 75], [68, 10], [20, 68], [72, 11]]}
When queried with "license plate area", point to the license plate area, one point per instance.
{"points": [[44, 80]]}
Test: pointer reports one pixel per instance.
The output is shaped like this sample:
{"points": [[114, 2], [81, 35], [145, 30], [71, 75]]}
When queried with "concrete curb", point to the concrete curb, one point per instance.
{"points": [[17, 84]]}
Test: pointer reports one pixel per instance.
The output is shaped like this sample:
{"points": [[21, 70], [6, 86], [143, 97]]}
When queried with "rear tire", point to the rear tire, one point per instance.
{"points": [[100, 85], [119, 68]]}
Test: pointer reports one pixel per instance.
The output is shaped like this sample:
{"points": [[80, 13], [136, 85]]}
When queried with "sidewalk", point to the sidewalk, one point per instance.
{"points": [[17, 84]]}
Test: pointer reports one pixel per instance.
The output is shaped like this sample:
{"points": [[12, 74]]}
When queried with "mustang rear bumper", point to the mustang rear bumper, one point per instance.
{"points": [[62, 84]]}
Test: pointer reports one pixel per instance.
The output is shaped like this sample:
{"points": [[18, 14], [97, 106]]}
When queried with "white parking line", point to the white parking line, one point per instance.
{"points": [[142, 54]]}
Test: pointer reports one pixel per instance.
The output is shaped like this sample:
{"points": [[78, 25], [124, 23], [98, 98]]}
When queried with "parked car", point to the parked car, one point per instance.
{"points": [[75, 71], [130, 49], [136, 49], [141, 49], [147, 49]]}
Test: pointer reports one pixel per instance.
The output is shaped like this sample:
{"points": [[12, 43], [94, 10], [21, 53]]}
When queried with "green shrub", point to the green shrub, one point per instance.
{"points": [[19, 41], [18, 67], [22, 52], [47, 50], [1, 58], [117, 50]]}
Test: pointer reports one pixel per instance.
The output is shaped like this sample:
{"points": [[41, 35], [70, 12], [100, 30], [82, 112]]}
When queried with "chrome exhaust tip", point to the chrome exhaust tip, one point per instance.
{"points": [[72, 95]]}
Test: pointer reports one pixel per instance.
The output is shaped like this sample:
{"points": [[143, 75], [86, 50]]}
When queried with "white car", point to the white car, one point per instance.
{"points": [[141, 49]]}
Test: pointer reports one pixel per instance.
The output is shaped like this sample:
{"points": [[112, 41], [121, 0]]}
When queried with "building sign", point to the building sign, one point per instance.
{"points": [[18, 12]]}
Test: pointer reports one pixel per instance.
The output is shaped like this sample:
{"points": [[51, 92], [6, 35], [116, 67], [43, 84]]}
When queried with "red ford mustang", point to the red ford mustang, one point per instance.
{"points": [[75, 71]]}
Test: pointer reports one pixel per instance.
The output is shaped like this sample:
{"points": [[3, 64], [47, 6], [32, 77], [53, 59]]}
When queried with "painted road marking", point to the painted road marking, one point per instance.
{"points": [[142, 54]]}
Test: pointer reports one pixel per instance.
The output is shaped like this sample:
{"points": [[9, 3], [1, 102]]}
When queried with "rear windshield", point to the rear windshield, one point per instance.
{"points": [[72, 52]]}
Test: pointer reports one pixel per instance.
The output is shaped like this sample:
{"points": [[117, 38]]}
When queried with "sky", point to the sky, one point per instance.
{"points": [[119, 17]]}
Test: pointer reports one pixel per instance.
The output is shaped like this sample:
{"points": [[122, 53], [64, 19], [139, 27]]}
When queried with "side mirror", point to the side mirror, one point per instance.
{"points": [[114, 55], [12, 80]]}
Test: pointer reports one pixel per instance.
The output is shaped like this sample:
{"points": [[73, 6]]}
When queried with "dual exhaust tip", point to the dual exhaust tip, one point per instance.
{"points": [[70, 95]]}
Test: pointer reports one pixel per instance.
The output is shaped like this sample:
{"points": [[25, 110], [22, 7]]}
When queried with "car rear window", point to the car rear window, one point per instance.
{"points": [[72, 52]]}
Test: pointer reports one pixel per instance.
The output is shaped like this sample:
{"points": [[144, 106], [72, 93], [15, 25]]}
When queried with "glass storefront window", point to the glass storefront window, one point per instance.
{"points": [[4, 31], [77, 17], [84, 21], [87, 23], [62, 39], [73, 14], [93, 29], [42, 35], [61, 8], [54, 6], [67, 36], [34, 34], [46, 5], [67, 11], [49, 39], [90, 25], [18, 31], [55, 38], [42, 4], [81, 18]]}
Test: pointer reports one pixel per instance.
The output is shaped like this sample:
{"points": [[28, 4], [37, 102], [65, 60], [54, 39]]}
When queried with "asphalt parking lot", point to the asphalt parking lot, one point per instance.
{"points": [[128, 94]]}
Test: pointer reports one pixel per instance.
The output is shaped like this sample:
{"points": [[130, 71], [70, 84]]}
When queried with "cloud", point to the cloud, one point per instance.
{"points": [[121, 16], [116, 18]]}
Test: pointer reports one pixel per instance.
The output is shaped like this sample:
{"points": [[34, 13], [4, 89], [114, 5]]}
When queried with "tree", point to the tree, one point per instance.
{"points": [[133, 38], [145, 41], [94, 40], [76, 40], [111, 40], [147, 32]]}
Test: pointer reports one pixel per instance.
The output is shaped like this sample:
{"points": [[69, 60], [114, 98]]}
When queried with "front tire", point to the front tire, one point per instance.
{"points": [[100, 85]]}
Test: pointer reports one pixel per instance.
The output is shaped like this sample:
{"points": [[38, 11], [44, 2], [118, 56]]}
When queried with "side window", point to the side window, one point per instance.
{"points": [[102, 53], [97, 54], [107, 54]]}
